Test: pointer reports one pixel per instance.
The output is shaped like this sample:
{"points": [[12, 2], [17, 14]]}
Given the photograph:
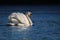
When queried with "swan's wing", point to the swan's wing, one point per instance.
{"points": [[12, 15], [22, 18]]}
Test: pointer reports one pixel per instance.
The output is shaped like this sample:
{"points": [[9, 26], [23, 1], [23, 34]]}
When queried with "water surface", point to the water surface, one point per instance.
{"points": [[46, 20]]}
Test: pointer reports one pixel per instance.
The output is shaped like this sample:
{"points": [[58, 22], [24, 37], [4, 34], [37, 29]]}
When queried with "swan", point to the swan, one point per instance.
{"points": [[20, 19]]}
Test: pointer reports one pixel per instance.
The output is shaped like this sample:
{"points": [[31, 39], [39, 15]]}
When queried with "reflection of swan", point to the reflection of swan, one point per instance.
{"points": [[20, 19]]}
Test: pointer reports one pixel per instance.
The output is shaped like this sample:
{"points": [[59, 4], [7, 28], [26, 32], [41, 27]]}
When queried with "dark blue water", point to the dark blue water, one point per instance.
{"points": [[46, 23]]}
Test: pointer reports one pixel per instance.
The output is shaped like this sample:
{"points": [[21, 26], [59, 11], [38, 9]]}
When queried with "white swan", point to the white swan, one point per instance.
{"points": [[20, 19]]}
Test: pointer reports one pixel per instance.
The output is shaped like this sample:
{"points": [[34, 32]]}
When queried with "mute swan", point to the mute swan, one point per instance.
{"points": [[20, 19]]}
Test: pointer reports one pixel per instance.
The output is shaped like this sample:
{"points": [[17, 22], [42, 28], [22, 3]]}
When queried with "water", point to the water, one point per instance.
{"points": [[46, 20]]}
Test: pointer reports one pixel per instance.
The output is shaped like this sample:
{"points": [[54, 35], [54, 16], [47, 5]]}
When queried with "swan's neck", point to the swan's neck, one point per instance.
{"points": [[28, 19], [30, 22]]}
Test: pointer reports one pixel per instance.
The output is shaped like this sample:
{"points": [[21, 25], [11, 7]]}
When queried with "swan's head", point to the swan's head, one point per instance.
{"points": [[29, 13]]}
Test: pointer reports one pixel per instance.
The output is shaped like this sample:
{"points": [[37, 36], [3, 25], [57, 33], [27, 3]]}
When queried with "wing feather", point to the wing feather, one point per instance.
{"points": [[22, 18]]}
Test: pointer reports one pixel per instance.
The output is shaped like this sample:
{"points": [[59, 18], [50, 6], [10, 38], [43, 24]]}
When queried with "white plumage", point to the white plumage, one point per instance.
{"points": [[20, 19]]}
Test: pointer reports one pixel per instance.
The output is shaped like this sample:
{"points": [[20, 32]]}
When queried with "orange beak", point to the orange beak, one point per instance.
{"points": [[30, 14]]}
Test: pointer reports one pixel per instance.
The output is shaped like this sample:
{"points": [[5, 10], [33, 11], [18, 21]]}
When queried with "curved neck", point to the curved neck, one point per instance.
{"points": [[30, 22]]}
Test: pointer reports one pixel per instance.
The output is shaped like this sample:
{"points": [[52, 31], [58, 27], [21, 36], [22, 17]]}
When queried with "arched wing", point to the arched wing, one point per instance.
{"points": [[22, 18]]}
